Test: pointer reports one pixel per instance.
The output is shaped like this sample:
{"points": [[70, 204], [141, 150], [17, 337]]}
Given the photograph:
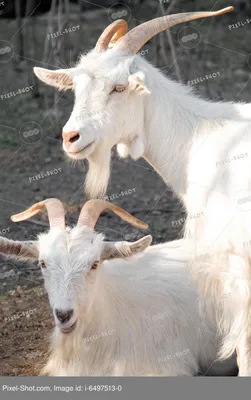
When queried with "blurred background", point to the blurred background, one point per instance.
{"points": [[211, 55]]}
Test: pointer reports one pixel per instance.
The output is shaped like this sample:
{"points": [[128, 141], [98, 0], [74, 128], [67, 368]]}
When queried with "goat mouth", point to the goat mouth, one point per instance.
{"points": [[87, 147], [70, 329]]}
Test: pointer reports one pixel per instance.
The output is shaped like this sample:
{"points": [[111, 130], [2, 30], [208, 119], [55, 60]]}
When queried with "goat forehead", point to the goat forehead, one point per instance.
{"points": [[52, 242], [84, 239], [84, 245], [89, 88], [82, 82], [104, 64], [96, 61], [69, 245]]}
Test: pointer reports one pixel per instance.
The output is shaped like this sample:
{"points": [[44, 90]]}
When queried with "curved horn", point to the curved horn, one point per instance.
{"points": [[93, 208], [132, 42], [111, 34], [54, 208], [120, 32]]}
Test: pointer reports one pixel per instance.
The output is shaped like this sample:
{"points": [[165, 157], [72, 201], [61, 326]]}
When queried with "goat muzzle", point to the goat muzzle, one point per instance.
{"points": [[70, 137]]}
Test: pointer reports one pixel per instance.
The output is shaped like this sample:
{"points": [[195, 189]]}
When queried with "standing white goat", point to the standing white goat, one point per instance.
{"points": [[134, 315], [197, 147]]}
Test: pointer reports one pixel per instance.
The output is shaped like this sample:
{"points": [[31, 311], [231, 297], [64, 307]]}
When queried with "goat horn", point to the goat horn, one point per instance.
{"points": [[132, 42], [111, 34], [54, 208], [93, 208]]}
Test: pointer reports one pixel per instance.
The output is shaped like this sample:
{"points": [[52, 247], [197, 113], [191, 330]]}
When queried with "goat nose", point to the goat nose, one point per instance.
{"points": [[70, 137], [63, 315]]}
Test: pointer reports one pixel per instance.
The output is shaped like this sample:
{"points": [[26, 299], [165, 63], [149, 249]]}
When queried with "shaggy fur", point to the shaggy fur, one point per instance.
{"points": [[137, 315], [197, 146]]}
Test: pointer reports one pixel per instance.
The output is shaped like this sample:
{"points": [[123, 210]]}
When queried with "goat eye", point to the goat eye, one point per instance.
{"points": [[42, 264], [95, 264], [118, 88]]}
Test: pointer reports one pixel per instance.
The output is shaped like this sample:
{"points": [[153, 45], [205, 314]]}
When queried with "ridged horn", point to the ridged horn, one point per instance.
{"points": [[93, 208], [54, 208], [111, 34], [132, 42]]}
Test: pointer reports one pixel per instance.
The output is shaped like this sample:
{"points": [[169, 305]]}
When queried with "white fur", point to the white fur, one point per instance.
{"points": [[135, 316], [186, 139]]}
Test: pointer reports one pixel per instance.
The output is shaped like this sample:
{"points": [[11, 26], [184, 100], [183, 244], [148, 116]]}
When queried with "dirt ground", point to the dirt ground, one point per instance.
{"points": [[25, 316], [25, 334]]}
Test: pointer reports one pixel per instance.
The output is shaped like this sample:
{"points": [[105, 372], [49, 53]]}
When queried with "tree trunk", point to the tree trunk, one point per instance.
{"points": [[19, 32]]}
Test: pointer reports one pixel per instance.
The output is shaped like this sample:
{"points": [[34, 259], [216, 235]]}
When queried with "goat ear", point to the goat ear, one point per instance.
{"points": [[137, 84], [124, 249], [60, 78], [19, 250]]}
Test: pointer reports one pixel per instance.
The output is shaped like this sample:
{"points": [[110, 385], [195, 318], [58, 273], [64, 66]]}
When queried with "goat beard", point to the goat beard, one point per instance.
{"points": [[98, 175]]}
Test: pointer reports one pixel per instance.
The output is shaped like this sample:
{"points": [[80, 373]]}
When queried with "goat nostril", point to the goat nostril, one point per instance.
{"points": [[63, 315], [74, 138]]}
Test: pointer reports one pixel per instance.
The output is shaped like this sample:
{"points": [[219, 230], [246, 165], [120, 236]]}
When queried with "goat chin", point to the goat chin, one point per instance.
{"points": [[98, 175]]}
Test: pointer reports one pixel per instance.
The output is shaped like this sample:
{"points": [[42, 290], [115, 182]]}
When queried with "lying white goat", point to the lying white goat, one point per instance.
{"points": [[199, 147], [134, 315]]}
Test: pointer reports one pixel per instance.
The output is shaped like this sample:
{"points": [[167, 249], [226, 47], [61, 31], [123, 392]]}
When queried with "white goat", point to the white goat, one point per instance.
{"points": [[186, 139], [132, 316]]}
